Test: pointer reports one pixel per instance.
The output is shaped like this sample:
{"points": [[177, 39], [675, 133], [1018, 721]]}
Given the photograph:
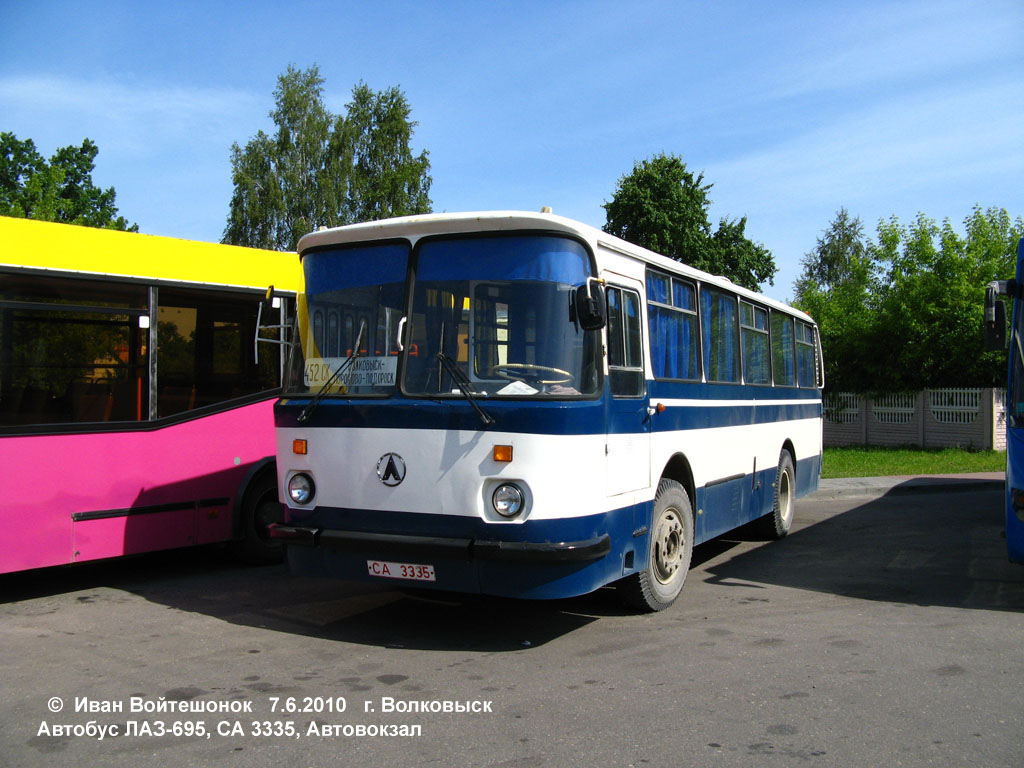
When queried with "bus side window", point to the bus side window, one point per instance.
{"points": [[72, 350], [205, 351], [674, 330], [754, 333], [783, 353], [625, 353], [805, 351], [721, 331]]}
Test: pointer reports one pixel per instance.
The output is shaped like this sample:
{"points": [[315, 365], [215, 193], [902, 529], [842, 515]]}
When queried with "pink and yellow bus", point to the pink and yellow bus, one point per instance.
{"points": [[134, 415]]}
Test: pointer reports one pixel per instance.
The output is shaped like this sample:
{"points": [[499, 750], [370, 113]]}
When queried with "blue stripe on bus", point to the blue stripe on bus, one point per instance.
{"points": [[696, 391], [738, 501], [578, 417]]}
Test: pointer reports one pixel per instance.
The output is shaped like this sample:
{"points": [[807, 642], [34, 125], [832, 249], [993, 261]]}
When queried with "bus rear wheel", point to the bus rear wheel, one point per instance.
{"points": [[657, 586], [777, 523]]}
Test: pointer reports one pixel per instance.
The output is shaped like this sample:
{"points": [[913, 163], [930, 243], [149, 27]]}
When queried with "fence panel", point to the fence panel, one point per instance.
{"points": [[935, 418], [955, 406]]}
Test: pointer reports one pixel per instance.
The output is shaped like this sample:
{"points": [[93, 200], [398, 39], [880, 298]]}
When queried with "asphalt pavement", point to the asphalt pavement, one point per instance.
{"points": [[884, 630]]}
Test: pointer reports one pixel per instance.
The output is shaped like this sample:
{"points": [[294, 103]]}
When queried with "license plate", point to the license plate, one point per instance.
{"points": [[405, 571]]}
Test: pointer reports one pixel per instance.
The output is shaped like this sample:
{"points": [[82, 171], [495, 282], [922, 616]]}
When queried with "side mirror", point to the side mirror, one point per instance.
{"points": [[271, 300], [995, 325], [995, 313], [591, 307]]}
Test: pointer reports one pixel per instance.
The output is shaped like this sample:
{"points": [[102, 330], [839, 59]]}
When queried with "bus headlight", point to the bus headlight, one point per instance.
{"points": [[301, 489], [507, 500]]}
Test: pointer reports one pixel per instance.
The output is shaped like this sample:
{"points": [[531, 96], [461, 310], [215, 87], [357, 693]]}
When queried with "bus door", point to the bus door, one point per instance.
{"points": [[628, 439]]}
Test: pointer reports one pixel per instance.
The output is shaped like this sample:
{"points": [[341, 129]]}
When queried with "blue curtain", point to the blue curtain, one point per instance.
{"points": [[782, 350], [673, 333], [721, 354]]}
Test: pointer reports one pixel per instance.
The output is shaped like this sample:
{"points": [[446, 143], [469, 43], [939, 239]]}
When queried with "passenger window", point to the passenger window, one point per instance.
{"points": [[72, 351], [721, 344], [805, 355], [754, 333], [783, 353], [205, 353], [672, 317]]}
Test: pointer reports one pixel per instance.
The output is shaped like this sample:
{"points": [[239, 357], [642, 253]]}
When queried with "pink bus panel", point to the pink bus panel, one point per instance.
{"points": [[72, 498]]}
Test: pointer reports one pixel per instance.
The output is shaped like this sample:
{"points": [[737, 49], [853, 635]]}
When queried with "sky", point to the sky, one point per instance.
{"points": [[791, 110]]}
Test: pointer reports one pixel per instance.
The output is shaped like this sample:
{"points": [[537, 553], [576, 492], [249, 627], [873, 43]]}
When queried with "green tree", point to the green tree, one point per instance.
{"points": [[387, 180], [904, 312], [663, 206], [930, 304], [837, 288], [836, 255], [321, 169], [59, 190]]}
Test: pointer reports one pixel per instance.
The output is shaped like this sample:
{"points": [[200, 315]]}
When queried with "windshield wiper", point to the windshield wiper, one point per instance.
{"points": [[346, 365], [461, 381]]}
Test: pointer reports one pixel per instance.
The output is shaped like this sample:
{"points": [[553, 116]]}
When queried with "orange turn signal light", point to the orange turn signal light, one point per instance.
{"points": [[299, 447], [503, 453]]}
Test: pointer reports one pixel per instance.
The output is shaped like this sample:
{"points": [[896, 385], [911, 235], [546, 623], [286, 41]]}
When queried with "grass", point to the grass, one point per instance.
{"points": [[874, 462]]}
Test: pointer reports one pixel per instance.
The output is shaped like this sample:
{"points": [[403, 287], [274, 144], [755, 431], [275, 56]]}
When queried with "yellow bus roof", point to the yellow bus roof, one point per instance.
{"points": [[46, 245]]}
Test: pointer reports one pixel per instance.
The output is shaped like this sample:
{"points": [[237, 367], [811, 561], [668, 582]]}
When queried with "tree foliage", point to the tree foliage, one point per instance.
{"points": [[904, 312], [321, 169], [663, 206], [59, 190]]}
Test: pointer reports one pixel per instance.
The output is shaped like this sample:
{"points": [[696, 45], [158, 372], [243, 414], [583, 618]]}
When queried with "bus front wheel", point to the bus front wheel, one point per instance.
{"points": [[657, 586]]}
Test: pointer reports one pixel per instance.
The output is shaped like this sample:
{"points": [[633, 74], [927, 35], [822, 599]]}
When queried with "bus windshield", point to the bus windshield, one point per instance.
{"points": [[352, 295], [491, 316], [500, 309]]}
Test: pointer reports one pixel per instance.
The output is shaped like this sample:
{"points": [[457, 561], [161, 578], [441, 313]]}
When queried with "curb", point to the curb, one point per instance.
{"points": [[874, 487]]}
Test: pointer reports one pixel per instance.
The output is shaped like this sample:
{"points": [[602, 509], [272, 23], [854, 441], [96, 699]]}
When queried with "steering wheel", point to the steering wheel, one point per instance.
{"points": [[531, 373]]}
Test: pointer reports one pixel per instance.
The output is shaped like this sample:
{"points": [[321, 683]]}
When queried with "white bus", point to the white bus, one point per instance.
{"points": [[519, 404]]}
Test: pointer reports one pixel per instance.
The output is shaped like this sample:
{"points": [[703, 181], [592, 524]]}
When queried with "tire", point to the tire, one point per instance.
{"points": [[657, 586], [777, 524], [260, 507]]}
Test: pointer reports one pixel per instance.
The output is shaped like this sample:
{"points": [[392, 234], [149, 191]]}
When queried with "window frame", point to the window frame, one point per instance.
{"points": [[147, 413], [812, 331], [689, 315], [625, 350], [765, 332], [705, 323], [779, 359]]}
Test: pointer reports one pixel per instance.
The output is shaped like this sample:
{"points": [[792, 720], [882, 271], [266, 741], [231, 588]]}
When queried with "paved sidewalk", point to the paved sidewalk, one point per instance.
{"points": [[856, 487]]}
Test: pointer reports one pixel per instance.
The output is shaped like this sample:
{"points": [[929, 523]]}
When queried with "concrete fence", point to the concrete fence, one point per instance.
{"points": [[933, 418]]}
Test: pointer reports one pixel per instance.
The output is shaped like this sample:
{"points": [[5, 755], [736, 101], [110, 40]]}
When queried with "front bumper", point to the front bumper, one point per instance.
{"points": [[449, 548]]}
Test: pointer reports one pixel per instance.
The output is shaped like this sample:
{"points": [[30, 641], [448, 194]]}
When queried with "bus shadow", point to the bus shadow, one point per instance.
{"points": [[208, 582], [442, 622], [917, 549], [925, 550]]}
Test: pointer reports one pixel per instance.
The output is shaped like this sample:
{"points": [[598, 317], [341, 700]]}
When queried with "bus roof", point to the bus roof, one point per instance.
{"points": [[88, 250], [416, 227]]}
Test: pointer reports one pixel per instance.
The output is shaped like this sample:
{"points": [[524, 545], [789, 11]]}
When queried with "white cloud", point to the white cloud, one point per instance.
{"points": [[902, 143], [165, 149], [141, 118]]}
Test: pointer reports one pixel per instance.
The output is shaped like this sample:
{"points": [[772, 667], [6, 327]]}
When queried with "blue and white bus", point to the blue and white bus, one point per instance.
{"points": [[518, 404], [995, 336]]}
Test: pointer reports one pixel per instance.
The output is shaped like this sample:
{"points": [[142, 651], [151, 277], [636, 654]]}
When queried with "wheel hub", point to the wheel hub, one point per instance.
{"points": [[669, 542]]}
